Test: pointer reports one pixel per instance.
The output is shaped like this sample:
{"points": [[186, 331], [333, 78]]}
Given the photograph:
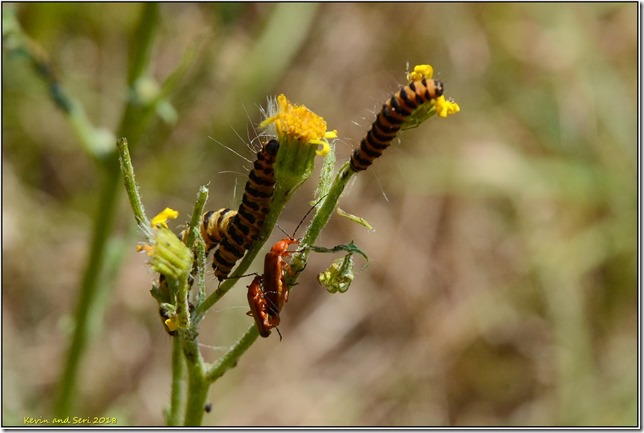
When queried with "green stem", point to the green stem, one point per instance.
{"points": [[198, 252], [320, 220], [195, 220], [200, 278], [183, 311], [130, 183], [142, 42], [178, 392], [197, 383]]}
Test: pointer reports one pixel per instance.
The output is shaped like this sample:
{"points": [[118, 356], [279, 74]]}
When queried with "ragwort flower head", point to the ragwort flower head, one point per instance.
{"points": [[298, 123], [168, 254], [302, 135]]}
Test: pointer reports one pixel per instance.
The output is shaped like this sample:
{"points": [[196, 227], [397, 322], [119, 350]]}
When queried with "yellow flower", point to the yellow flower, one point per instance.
{"points": [[420, 72], [298, 123], [445, 107], [302, 135], [162, 217]]}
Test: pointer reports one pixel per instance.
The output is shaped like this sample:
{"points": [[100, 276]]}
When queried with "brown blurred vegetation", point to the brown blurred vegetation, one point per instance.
{"points": [[502, 288]]}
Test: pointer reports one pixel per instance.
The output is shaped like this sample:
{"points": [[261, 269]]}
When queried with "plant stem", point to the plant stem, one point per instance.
{"points": [[183, 310], [198, 251], [195, 220], [142, 42], [131, 187], [197, 384], [178, 390], [320, 220]]}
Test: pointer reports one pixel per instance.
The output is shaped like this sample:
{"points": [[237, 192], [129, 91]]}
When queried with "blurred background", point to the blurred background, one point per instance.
{"points": [[502, 285]]}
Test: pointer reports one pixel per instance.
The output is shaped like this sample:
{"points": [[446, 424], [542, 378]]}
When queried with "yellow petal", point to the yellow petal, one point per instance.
{"points": [[163, 216]]}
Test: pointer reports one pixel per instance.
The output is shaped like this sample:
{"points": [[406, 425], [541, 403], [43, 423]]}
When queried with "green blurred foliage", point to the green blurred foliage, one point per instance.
{"points": [[503, 285]]}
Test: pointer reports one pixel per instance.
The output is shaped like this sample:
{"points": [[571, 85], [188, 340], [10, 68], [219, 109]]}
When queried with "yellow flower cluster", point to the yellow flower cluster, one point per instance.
{"points": [[445, 107], [296, 122], [420, 72]]}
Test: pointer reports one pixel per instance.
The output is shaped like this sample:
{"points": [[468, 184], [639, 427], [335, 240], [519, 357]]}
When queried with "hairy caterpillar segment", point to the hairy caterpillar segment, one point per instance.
{"points": [[246, 224], [390, 119], [213, 226]]}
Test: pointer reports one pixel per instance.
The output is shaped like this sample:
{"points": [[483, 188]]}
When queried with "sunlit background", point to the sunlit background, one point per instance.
{"points": [[502, 284]]}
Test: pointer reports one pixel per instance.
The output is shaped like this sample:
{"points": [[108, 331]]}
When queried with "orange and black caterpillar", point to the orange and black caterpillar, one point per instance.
{"points": [[388, 122], [246, 224], [213, 226]]}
